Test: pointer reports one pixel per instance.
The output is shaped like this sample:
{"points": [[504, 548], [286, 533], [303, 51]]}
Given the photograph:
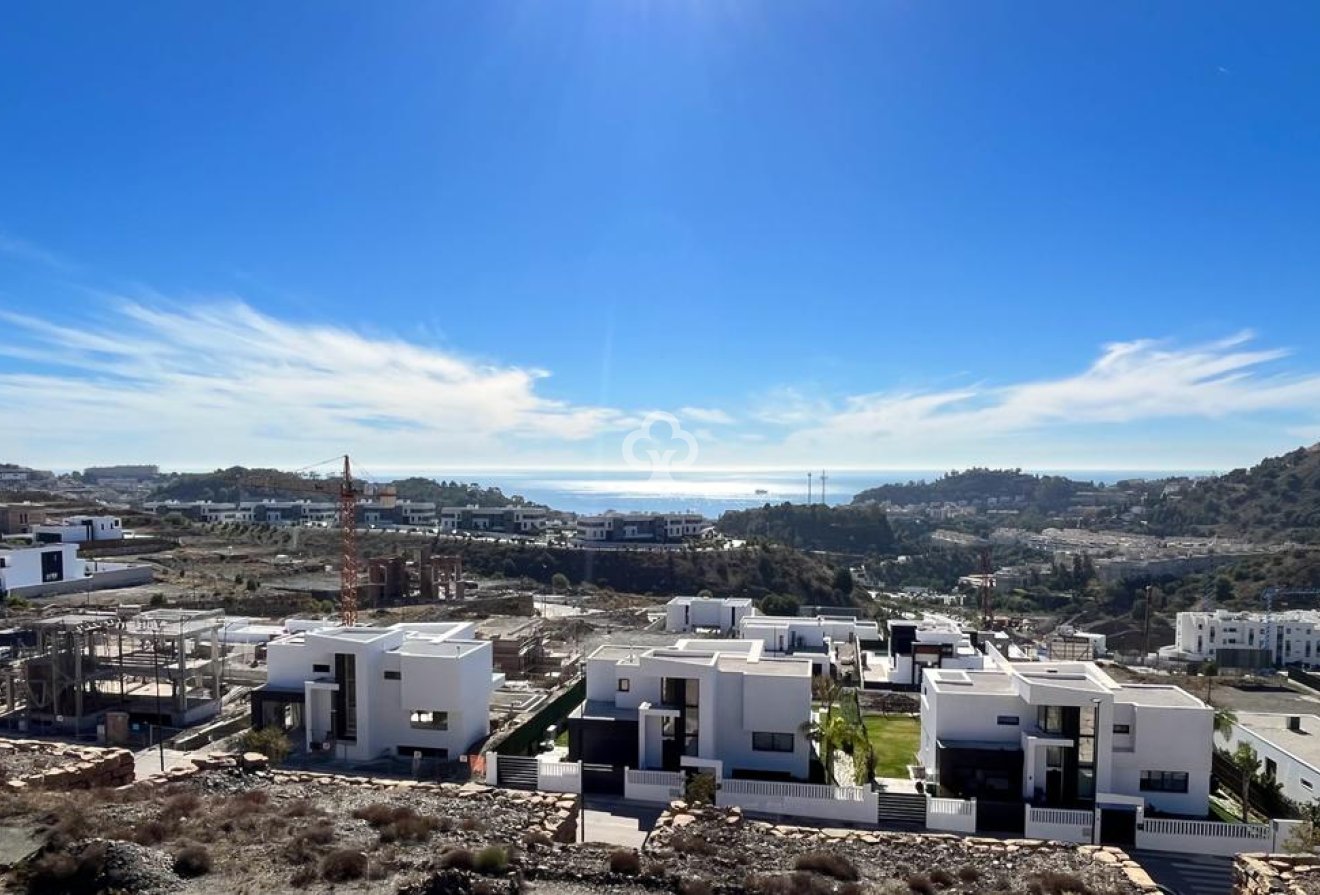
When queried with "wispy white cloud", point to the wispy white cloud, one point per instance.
{"points": [[216, 381], [221, 381], [711, 416], [1131, 382]]}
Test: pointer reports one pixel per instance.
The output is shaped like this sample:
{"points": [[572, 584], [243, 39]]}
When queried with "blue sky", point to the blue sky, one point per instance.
{"points": [[870, 234]]}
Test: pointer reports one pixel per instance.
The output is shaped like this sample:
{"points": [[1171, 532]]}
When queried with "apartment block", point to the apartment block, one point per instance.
{"points": [[1247, 639], [507, 520], [717, 705], [1064, 735], [640, 527]]}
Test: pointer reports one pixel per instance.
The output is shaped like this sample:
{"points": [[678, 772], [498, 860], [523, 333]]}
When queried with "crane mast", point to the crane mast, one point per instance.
{"points": [[348, 569]]}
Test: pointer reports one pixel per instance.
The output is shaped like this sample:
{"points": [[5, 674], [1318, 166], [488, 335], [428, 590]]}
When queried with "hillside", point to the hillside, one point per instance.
{"points": [[226, 486], [1045, 493], [1277, 499], [848, 529]]}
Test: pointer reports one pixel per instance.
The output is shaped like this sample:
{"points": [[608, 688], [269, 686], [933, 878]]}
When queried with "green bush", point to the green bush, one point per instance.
{"points": [[491, 860], [700, 789], [269, 741]]}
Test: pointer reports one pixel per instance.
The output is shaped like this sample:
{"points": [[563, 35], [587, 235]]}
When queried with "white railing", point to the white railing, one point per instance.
{"points": [[558, 776], [951, 815], [854, 804], [1062, 824], [956, 807], [1204, 837], [652, 786], [795, 790]]}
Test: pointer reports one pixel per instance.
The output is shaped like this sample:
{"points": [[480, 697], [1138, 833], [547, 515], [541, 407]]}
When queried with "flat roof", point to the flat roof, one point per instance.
{"points": [[1304, 745], [723, 601], [958, 680], [776, 667], [1162, 695]]}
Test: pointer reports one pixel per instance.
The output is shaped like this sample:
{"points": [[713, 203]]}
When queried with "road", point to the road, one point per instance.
{"points": [[1181, 874]]}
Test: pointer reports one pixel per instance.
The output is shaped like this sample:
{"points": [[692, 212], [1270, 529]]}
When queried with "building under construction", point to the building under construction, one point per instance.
{"points": [[163, 668]]}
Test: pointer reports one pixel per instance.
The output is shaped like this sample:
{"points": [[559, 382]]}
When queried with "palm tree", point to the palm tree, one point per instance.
{"points": [[1248, 763], [1224, 721], [836, 732]]}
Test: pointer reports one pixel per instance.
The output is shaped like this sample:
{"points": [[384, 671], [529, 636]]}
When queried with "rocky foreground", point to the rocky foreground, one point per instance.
{"points": [[232, 825]]}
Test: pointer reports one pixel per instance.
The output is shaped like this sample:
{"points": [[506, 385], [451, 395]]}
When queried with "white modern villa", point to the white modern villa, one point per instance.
{"points": [[1288, 747], [365, 692], [717, 705], [930, 642], [720, 615], [817, 638], [1064, 734]]}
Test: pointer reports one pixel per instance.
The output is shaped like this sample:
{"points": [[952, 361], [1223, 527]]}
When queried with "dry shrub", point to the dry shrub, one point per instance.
{"points": [[625, 862], [179, 806], [536, 838], [694, 885], [397, 823], [968, 874], [852, 889], [192, 861], [1052, 882], [472, 824], [56, 873], [303, 877], [827, 863], [920, 884], [485, 887], [799, 883], [300, 808], [154, 832], [688, 844], [941, 877], [343, 865], [458, 859]]}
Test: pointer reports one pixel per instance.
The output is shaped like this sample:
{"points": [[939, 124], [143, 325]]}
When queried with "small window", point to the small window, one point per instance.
{"points": [[772, 742], [1163, 781], [429, 720], [1007, 720], [624, 685], [1122, 729], [394, 675], [320, 669]]}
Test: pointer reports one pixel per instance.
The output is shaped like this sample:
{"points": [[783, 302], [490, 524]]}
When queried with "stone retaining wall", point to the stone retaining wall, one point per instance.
{"points": [[1262, 874], [81, 767]]}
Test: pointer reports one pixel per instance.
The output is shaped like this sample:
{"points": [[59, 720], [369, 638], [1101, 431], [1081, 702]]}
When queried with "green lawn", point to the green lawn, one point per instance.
{"points": [[895, 739], [561, 739]]}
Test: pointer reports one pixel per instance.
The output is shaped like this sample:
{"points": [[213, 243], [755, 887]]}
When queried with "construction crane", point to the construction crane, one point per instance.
{"points": [[346, 494]]}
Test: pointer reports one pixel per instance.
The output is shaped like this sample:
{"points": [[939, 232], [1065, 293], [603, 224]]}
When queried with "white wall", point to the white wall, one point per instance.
{"points": [[850, 804], [652, 786], [1059, 824], [951, 815], [22, 568], [1168, 739], [1290, 771]]}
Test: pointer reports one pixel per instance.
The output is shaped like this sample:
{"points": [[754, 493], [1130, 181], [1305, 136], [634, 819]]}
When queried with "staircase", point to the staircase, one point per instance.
{"points": [[516, 772], [901, 810]]}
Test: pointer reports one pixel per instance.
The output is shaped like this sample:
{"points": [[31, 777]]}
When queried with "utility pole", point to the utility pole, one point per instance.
{"points": [[1150, 591], [822, 486], [808, 489], [155, 668]]}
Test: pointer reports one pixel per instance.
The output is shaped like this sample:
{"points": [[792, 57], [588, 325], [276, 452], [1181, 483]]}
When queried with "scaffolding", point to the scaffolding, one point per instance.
{"points": [[164, 666]]}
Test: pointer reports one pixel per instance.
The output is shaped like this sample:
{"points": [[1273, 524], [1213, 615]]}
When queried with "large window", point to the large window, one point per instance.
{"points": [[772, 742], [1164, 781], [1049, 718], [429, 720]]}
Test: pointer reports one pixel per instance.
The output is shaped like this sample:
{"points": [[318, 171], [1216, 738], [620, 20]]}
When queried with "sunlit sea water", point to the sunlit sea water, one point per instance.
{"points": [[710, 493]]}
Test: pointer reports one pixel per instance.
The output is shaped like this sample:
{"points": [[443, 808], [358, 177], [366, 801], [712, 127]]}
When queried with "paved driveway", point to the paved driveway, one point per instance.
{"points": [[1182, 874], [619, 822]]}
